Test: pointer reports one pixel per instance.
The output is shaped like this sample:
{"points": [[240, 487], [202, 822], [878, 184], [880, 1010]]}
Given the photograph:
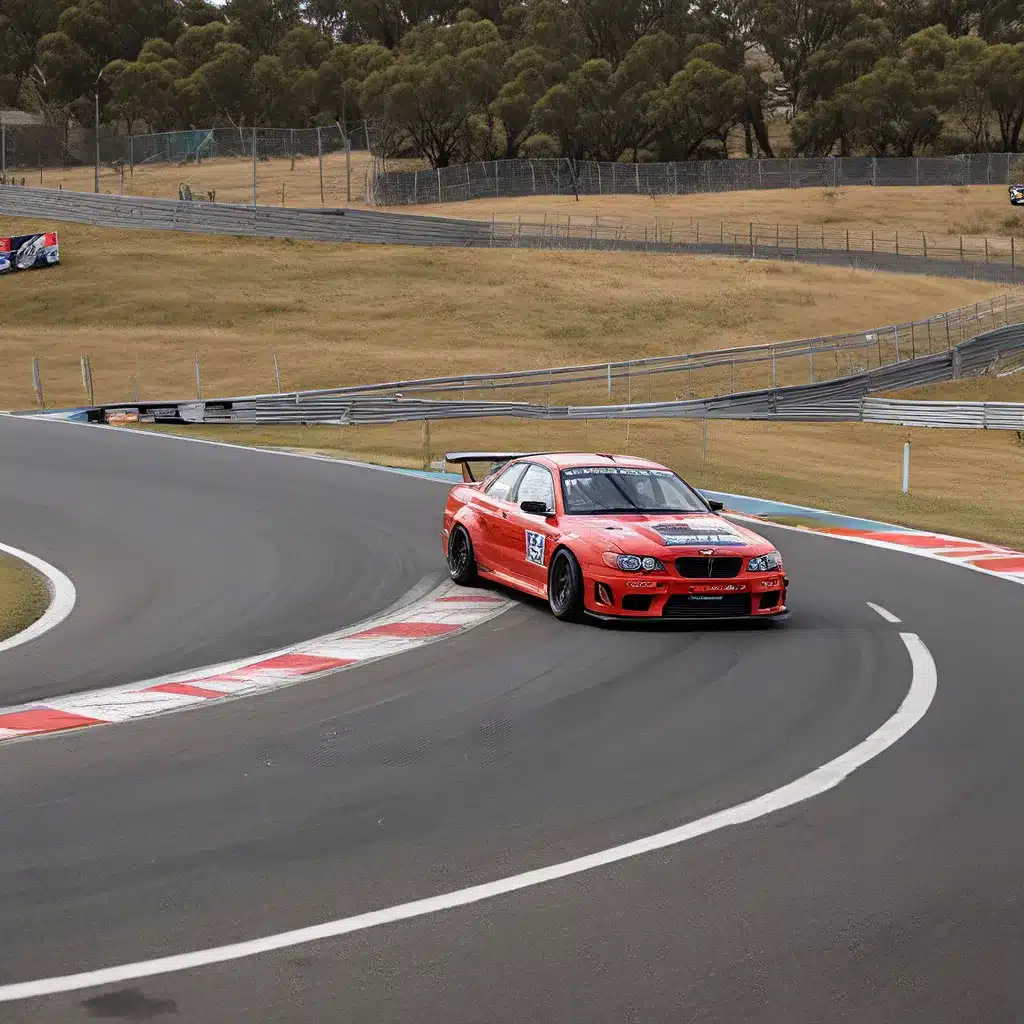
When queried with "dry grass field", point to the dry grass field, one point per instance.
{"points": [[940, 212], [969, 483], [230, 178], [23, 596], [141, 304]]}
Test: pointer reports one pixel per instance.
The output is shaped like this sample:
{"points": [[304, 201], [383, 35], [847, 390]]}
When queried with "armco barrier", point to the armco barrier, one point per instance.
{"points": [[367, 226], [839, 400]]}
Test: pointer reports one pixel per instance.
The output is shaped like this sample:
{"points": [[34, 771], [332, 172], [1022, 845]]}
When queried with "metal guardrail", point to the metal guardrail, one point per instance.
{"points": [[965, 415], [843, 399], [508, 178], [368, 226]]}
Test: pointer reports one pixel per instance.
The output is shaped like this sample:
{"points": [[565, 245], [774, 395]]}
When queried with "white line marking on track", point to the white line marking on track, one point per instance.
{"points": [[62, 599], [916, 703], [884, 612]]}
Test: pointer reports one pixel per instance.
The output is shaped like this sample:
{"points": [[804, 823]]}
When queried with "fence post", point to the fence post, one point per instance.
{"points": [[291, 146], [986, 249], [924, 244], [913, 341], [773, 367], [798, 238], [253, 170], [949, 344], [790, 168], [897, 241], [37, 383], [929, 325], [3, 149], [199, 389], [347, 139], [751, 238], [609, 380], [896, 340], [906, 467], [961, 248], [810, 360], [425, 437], [636, 169], [277, 372], [320, 160], [917, 170], [874, 170], [131, 155]]}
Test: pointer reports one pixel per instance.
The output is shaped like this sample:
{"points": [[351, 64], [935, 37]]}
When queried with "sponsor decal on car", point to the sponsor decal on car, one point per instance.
{"points": [[535, 547], [23, 252], [698, 532], [613, 471]]}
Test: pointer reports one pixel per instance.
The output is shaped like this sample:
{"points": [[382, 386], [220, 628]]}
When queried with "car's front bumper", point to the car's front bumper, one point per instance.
{"points": [[623, 595]]}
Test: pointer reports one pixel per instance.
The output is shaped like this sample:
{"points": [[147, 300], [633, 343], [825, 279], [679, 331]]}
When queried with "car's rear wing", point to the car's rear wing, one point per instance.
{"points": [[493, 460]]}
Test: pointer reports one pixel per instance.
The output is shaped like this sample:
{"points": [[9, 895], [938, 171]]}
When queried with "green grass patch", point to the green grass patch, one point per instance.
{"points": [[23, 596]]}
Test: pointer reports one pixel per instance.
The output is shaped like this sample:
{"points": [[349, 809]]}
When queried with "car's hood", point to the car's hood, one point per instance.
{"points": [[687, 530]]}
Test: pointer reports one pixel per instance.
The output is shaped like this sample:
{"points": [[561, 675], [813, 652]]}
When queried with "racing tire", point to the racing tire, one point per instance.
{"points": [[565, 587], [461, 559]]}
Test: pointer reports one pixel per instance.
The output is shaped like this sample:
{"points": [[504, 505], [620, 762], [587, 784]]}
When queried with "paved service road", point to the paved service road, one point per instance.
{"points": [[896, 896]]}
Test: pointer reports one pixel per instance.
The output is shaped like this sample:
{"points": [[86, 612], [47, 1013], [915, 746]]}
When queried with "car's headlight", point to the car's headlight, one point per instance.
{"points": [[765, 563], [634, 563]]}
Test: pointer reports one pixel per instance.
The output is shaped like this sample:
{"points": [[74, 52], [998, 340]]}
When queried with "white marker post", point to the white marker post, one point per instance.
{"points": [[906, 467]]}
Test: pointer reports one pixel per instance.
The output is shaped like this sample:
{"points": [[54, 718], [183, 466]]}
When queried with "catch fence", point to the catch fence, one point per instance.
{"points": [[560, 177]]}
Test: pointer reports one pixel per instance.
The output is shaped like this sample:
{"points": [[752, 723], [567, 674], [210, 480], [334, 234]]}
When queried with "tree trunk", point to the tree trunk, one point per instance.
{"points": [[754, 116]]}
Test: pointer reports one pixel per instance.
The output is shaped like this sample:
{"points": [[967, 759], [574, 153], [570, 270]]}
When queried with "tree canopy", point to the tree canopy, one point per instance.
{"points": [[456, 80]]}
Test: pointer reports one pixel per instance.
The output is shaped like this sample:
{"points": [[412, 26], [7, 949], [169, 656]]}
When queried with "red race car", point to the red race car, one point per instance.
{"points": [[606, 535]]}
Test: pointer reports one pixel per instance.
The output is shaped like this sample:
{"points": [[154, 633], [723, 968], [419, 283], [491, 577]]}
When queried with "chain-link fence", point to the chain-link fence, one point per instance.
{"points": [[513, 178], [295, 167], [28, 150]]}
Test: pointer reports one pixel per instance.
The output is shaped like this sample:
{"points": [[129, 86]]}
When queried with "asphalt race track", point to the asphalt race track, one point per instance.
{"points": [[897, 896]]}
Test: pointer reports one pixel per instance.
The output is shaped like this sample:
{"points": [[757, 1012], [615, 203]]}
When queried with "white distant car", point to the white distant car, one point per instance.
{"points": [[1017, 195]]}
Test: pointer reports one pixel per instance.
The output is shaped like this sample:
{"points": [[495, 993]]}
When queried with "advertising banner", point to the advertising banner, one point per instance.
{"points": [[24, 252]]}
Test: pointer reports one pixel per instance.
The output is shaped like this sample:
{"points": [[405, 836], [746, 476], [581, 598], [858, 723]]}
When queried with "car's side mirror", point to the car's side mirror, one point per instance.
{"points": [[716, 506], [536, 508]]}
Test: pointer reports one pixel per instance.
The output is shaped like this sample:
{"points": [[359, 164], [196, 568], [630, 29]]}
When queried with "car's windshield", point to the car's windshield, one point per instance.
{"points": [[593, 490]]}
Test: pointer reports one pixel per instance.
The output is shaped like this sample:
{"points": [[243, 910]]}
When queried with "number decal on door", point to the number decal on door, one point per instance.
{"points": [[535, 547]]}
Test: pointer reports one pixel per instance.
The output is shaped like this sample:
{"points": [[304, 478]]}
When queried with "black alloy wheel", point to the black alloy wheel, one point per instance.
{"points": [[565, 587], [461, 563]]}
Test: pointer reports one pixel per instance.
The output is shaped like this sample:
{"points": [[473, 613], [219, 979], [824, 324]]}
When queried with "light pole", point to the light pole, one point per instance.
{"points": [[97, 91]]}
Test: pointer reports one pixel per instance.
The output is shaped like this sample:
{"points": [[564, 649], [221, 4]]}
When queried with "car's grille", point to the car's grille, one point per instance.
{"points": [[708, 568], [697, 606]]}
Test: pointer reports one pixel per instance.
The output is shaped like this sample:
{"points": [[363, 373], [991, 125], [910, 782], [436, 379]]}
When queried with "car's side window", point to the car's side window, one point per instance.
{"points": [[502, 485], [536, 485]]}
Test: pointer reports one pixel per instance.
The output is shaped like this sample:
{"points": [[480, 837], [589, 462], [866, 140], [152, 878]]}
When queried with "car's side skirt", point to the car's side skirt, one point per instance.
{"points": [[514, 581]]}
